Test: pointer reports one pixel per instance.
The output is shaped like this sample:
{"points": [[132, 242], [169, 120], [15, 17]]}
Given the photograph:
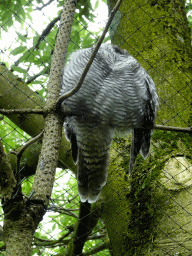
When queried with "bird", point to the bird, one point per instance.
{"points": [[117, 95]]}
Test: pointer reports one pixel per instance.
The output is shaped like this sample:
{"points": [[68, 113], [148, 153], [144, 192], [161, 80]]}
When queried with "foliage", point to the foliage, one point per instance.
{"points": [[12, 135]]}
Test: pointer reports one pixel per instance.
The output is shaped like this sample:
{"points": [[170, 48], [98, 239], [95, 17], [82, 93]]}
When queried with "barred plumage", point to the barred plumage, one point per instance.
{"points": [[117, 94]]}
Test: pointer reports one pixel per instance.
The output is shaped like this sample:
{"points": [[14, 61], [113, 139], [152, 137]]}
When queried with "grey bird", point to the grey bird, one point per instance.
{"points": [[116, 95]]}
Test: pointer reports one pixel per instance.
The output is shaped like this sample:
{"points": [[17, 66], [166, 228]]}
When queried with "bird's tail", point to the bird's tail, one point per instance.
{"points": [[140, 142], [92, 174]]}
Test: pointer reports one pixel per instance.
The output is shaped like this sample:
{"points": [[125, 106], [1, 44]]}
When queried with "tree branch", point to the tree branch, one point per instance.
{"points": [[45, 173], [22, 111], [27, 214], [19, 155], [31, 141], [45, 32], [43, 242], [40, 8], [87, 221], [172, 129], [41, 73], [63, 211], [97, 249], [70, 113]]}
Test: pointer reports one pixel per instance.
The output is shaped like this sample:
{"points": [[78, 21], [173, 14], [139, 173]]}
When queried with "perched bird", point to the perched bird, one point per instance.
{"points": [[117, 94]]}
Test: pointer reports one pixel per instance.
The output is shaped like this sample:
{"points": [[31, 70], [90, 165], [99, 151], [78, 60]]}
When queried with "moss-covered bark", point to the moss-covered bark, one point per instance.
{"points": [[19, 229], [149, 213]]}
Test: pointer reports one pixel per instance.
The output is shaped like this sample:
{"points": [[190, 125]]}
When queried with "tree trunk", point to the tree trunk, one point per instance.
{"points": [[19, 233], [149, 213]]}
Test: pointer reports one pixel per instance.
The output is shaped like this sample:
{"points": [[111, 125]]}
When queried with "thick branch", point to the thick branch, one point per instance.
{"points": [[45, 173]]}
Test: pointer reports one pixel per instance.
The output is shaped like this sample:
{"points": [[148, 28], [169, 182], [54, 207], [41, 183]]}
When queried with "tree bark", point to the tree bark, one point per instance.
{"points": [[148, 213]]}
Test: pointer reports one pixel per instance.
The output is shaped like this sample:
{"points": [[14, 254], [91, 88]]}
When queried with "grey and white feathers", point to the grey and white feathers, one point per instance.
{"points": [[117, 94]]}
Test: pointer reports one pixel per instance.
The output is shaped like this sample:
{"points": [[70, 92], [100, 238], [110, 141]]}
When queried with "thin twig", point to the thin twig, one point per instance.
{"points": [[20, 152], [96, 237], [40, 8], [45, 71], [22, 111], [97, 249], [29, 143], [86, 69], [44, 242], [172, 128], [45, 32], [62, 211], [70, 200]]}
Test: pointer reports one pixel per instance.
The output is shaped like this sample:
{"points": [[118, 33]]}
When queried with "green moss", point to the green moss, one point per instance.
{"points": [[135, 206], [148, 200]]}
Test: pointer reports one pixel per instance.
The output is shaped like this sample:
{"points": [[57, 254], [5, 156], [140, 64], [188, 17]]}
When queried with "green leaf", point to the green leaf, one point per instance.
{"points": [[40, 60], [22, 37], [27, 57], [35, 40], [18, 69], [18, 50], [54, 227], [96, 4]]}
